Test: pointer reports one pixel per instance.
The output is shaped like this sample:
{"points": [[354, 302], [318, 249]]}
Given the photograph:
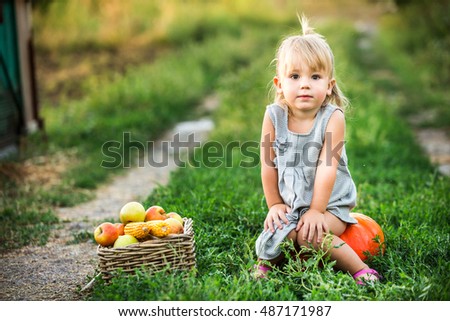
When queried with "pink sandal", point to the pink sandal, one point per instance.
{"points": [[370, 272], [261, 271]]}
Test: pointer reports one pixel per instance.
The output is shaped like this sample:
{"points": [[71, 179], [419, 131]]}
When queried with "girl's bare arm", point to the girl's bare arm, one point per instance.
{"points": [[269, 177], [328, 162]]}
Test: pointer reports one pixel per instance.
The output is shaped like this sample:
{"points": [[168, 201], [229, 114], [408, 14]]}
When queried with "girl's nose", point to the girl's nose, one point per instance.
{"points": [[304, 84]]}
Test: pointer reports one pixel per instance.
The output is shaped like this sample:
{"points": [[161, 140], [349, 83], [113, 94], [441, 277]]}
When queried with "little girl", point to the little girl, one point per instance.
{"points": [[306, 182]]}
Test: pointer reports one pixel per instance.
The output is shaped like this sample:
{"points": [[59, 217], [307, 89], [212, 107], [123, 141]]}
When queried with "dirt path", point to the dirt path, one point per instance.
{"points": [[58, 271], [435, 142]]}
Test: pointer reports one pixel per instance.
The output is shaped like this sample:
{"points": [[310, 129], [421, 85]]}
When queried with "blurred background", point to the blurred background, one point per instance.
{"points": [[80, 44], [78, 40]]}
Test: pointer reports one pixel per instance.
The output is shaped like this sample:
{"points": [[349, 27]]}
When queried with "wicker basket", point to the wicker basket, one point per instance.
{"points": [[176, 251]]}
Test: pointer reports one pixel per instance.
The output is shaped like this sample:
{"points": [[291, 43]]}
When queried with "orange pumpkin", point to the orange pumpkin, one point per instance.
{"points": [[364, 236]]}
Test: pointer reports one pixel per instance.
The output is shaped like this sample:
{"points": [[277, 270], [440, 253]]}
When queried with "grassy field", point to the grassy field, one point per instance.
{"points": [[397, 185]]}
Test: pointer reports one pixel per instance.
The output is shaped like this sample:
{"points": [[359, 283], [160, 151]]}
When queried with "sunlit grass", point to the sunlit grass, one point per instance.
{"points": [[115, 22]]}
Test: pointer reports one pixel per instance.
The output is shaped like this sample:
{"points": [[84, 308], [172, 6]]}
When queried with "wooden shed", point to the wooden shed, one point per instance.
{"points": [[19, 108]]}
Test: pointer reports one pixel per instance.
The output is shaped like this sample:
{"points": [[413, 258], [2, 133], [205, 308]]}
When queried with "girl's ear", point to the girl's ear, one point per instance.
{"points": [[277, 83], [331, 84]]}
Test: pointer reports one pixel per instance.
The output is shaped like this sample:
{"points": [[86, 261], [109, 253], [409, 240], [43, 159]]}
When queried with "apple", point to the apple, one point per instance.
{"points": [[125, 240], [106, 234], [132, 212], [176, 216], [155, 212], [175, 226], [120, 227]]}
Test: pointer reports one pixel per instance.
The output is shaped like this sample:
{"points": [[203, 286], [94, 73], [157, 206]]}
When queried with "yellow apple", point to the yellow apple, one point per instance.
{"points": [[125, 240], [132, 212], [176, 216], [106, 234], [175, 226], [155, 212]]}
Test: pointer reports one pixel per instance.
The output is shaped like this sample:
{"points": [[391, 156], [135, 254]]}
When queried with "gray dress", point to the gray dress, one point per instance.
{"points": [[296, 157]]}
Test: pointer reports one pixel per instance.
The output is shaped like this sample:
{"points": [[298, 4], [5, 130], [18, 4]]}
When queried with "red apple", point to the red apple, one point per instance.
{"points": [[176, 216], [155, 212], [120, 228], [106, 234], [175, 226]]}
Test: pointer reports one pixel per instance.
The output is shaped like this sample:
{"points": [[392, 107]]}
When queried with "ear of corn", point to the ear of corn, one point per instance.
{"points": [[158, 228], [139, 230]]}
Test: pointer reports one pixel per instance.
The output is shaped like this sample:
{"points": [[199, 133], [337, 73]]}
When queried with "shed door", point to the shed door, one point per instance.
{"points": [[10, 100]]}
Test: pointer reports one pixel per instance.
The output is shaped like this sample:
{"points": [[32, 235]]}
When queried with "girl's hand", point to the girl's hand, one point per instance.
{"points": [[276, 212], [313, 223]]}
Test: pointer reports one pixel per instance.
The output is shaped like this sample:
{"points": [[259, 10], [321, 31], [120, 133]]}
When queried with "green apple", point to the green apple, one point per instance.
{"points": [[125, 240], [132, 212]]}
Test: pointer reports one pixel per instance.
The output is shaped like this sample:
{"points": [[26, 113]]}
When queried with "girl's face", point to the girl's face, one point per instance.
{"points": [[304, 89]]}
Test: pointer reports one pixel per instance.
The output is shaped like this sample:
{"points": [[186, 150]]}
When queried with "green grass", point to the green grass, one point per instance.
{"points": [[397, 187], [25, 220]]}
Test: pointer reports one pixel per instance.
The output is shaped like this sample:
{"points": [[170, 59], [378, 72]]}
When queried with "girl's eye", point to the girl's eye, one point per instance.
{"points": [[295, 76], [315, 77]]}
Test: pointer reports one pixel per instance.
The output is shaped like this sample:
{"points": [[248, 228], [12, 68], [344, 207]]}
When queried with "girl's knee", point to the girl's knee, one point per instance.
{"points": [[304, 242], [292, 236]]}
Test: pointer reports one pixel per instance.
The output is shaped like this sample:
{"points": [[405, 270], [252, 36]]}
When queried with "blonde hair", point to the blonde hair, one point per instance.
{"points": [[310, 48]]}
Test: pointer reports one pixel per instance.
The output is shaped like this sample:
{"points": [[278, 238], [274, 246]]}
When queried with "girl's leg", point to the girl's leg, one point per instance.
{"points": [[262, 269], [346, 259]]}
